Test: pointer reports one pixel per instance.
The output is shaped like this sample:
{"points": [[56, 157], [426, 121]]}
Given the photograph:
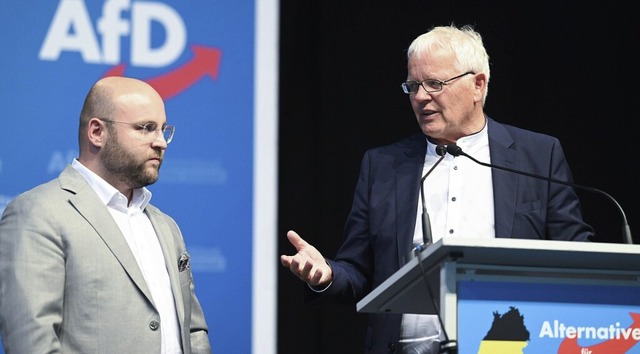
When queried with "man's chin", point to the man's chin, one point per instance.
{"points": [[151, 176], [153, 179], [430, 130]]}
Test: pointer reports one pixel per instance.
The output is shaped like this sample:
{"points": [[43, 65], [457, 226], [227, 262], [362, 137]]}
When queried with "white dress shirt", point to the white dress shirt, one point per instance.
{"points": [[459, 192]]}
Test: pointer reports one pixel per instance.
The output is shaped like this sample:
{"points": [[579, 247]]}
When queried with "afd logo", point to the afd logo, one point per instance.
{"points": [[72, 30]]}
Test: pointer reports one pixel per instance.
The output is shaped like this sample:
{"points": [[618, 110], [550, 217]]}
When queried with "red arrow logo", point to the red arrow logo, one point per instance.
{"points": [[205, 61], [612, 346]]}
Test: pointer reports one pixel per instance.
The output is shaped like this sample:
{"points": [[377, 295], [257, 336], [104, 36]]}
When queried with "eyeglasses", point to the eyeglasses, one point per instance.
{"points": [[430, 85], [145, 130]]}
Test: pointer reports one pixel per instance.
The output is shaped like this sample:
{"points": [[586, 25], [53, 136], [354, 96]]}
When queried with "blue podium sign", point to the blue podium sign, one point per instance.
{"points": [[509, 317]]}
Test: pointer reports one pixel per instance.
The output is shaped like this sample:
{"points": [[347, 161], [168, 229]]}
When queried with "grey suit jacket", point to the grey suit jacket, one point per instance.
{"points": [[70, 284]]}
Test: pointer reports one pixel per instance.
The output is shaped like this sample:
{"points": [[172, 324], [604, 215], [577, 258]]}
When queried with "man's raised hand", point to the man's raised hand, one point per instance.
{"points": [[308, 264]]}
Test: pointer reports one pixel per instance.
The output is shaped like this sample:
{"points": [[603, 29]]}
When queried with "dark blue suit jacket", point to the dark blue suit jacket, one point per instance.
{"points": [[379, 229]]}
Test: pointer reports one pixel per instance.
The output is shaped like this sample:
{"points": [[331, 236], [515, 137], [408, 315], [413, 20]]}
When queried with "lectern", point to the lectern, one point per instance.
{"points": [[566, 295]]}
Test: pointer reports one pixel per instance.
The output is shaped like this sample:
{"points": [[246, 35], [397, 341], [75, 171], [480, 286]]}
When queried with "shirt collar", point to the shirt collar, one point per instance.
{"points": [[466, 143], [476, 139], [108, 194]]}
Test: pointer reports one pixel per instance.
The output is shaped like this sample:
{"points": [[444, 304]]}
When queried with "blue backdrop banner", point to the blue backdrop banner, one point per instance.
{"points": [[201, 56]]}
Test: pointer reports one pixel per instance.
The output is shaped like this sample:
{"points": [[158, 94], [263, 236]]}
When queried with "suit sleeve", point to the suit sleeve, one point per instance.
{"points": [[198, 329], [565, 220], [32, 277]]}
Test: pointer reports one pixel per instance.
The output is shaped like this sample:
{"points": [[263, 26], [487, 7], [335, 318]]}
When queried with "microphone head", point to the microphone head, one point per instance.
{"points": [[454, 149], [441, 150]]}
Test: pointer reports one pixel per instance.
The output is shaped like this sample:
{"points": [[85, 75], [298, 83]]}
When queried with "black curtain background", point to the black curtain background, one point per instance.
{"points": [[565, 68]]}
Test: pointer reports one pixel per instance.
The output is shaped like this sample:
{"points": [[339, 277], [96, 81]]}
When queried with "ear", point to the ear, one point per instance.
{"points": [[96, 132], [480, 85]]}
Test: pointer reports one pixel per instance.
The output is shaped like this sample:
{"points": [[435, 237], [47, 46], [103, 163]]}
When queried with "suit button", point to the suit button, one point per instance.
{"points": [[154, 325]]}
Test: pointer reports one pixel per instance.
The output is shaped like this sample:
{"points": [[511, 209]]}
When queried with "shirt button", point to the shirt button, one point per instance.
{"points": [[453, 199], [455, 168], [450, 231], [154, 325]]}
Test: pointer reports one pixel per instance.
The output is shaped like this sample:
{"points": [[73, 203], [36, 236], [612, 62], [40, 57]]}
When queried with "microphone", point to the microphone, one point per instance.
{"points": [[456, 151], [447, 346], [441, 150]]}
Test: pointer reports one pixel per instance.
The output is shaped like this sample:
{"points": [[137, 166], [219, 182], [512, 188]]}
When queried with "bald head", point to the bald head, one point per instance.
{"points": [[111, 95]]}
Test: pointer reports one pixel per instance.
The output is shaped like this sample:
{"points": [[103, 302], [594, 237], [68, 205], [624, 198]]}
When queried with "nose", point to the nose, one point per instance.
{"points": [[160, 140], [422, 94]]}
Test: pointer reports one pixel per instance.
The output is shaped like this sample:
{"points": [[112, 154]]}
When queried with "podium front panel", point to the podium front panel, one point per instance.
{"points": [[522, 296], [526, 317]]}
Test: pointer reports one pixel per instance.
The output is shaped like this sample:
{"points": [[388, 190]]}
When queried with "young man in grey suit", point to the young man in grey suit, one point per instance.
{"points": [[87, 265]]}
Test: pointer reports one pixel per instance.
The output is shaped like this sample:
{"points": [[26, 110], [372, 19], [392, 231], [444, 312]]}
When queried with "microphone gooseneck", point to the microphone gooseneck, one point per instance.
{"points": [[447, 346], [441, 150], [455, 150]]}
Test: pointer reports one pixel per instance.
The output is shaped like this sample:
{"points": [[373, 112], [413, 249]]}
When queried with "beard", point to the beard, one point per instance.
{"points": [[123, 165]]}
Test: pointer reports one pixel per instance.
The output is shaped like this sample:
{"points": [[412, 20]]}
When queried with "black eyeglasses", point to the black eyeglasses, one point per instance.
{"points": [[145, 130], [429, 85]]}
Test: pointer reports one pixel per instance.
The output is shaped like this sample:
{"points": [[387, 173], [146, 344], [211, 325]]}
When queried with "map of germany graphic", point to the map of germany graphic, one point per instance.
{"points": [[508, 334]]}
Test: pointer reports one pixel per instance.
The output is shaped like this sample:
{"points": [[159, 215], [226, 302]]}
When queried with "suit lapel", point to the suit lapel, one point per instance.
{"points": [[86, 201], [408, 174], [164, 233], [504, 183]]}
